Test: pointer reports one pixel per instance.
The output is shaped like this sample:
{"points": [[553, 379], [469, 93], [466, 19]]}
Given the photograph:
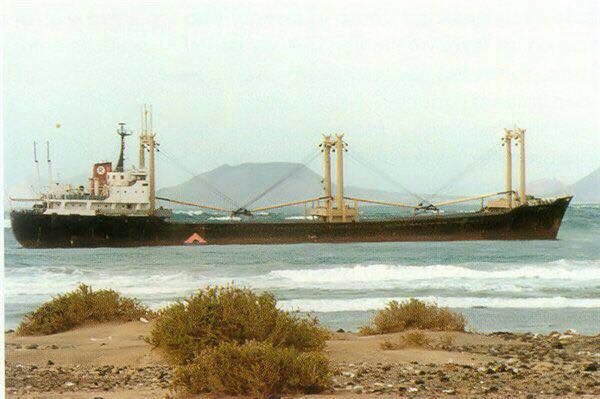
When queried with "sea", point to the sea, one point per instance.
{"points": [[519, 286]]}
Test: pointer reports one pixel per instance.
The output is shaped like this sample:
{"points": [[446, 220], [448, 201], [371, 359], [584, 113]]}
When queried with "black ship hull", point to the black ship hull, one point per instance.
{"points": [[532, 222]]}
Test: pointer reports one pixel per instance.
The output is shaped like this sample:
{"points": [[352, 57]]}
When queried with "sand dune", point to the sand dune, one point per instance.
{"points": [[114, 361]]}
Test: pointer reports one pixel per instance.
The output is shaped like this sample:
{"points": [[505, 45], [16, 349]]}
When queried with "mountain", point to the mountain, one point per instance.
{"points": [[548, 188], [245, 182], [588, 188]]}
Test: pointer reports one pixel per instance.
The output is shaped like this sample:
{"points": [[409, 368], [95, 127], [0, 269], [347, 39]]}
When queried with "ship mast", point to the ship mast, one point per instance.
{"points": [[508, 136], [341, 212], [121, 132], [50, 179], [147, 141], [521, 139], [143, 133], [339, 149], [326, 145], [37, 170]]}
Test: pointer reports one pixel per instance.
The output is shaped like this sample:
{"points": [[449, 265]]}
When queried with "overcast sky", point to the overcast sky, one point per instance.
{"points": [[421, 89]]}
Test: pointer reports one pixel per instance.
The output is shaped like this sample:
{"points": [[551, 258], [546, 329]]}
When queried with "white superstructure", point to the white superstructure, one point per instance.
{"points": [[125, 193], [110, 192]]}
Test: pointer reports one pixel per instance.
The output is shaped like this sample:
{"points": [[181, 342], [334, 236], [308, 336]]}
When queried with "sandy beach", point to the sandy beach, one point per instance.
{"points": [[114, 361]]}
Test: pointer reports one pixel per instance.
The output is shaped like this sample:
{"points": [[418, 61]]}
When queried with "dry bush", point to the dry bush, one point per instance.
{"points": [[230, 314], [414, 314], [258, 369], [78, 307], [415, 339], [409, 339], [231, 340], [366, 330], [388, 345], [446, 341]]}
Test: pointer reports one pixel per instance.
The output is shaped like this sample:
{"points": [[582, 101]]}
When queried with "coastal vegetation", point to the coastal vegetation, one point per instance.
{"points": [[79, 307], [230, 340], [413, 314]]}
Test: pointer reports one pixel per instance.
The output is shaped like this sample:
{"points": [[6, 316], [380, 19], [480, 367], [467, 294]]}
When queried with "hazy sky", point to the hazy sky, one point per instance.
{"points": [[421, 89]]}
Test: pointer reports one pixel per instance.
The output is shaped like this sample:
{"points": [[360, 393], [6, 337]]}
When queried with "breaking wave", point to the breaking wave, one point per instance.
{"points": [[367, 304], [233, 218], [189, 213], [559, 270]]}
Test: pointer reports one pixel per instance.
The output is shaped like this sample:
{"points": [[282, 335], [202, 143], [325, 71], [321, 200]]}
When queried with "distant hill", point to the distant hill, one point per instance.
{"points": [[588, 188], [584, 190], [244, 182], [548, 188]]}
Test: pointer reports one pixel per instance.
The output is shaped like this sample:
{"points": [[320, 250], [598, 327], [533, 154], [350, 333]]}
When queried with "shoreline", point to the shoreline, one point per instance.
{"points": [[481, 319], [113, 361]]}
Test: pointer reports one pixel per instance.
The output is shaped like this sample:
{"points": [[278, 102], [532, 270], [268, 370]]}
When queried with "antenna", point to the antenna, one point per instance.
{"points": [[121, 132], [50, 179], [37, 170]]}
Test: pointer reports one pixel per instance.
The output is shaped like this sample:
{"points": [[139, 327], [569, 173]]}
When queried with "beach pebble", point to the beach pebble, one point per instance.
{"points": [[592, 367], [144, 320], [32, 346], [358, 388]]}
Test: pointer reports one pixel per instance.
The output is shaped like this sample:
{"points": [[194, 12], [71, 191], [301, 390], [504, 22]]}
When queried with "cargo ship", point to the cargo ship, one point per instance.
{"points": [[119, 209]]}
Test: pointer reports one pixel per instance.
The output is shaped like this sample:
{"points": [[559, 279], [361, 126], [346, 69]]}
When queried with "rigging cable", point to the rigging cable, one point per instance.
{"points": [[376, 171], [480, 160], [295, 170], [214, 189]]}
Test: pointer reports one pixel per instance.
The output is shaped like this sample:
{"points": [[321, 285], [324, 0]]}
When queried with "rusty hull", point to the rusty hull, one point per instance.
{"points": [[530, 222]]}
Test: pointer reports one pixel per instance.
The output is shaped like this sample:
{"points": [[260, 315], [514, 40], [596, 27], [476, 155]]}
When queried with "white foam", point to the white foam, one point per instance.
{"points": [[189, 213], [225, 218], [366, 304], [7, 223], [561, 270], [300, 217]]}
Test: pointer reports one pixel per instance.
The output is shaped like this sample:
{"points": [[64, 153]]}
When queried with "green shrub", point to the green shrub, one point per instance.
{"points": [[414, 314], [415, 339], [79, 307], [258, 369], [229, 340], [410, 339], [230, 314], [388, 345], [366, 330], [446, 341]]}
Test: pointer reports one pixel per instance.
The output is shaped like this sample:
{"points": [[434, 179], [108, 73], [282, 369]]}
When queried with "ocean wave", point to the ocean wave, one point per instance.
{"points": [[368, 304], [565, 277], [299, 217], [233, 218], [7, 223], [189, 213], [559, 270]]}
